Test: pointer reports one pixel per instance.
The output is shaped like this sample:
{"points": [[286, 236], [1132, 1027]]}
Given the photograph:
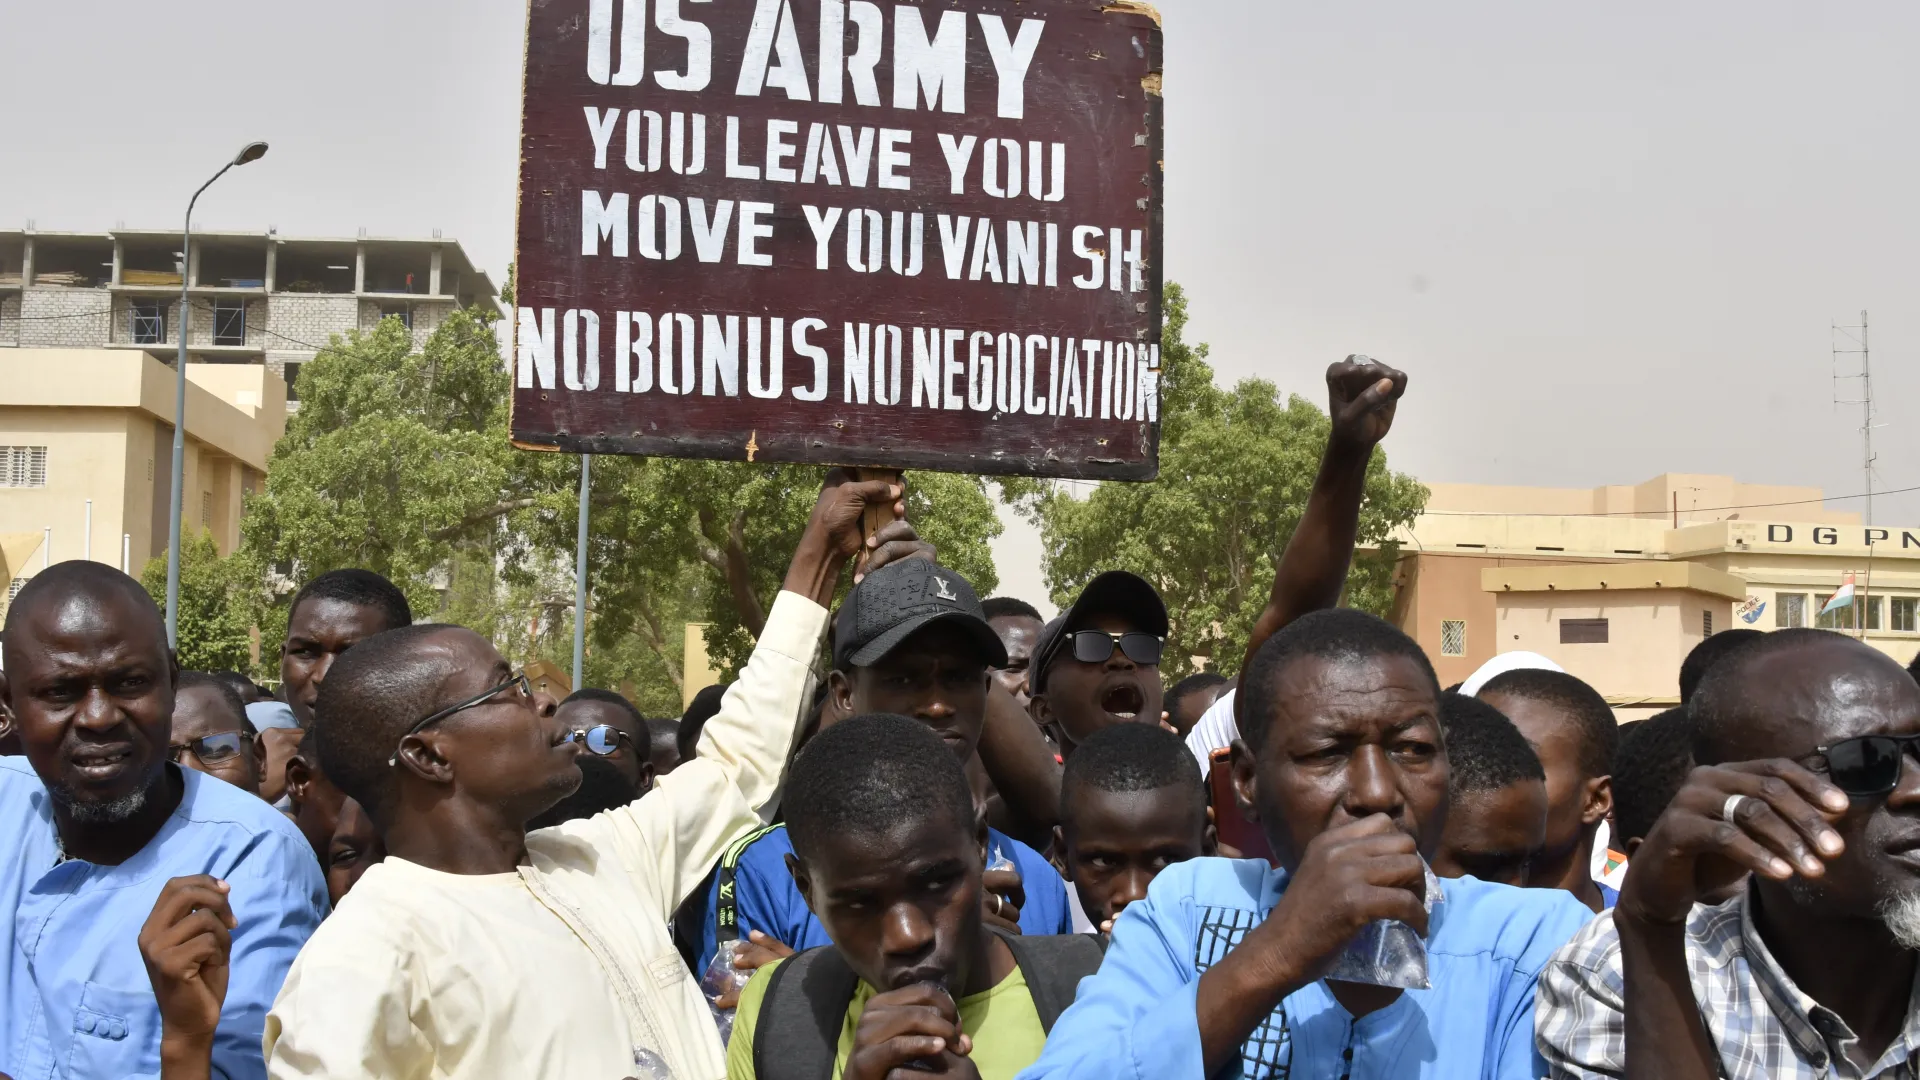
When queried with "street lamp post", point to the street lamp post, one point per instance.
{"points": [[253, 151]]}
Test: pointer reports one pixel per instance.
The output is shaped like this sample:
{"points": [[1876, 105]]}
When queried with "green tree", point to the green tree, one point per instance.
{"points": [[220, 599], [1236, 467], [399, 461], [395, 460], [709, 542]]}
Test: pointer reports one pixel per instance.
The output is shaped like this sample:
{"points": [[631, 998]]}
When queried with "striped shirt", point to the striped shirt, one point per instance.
{"points": [[1763, 1026]]}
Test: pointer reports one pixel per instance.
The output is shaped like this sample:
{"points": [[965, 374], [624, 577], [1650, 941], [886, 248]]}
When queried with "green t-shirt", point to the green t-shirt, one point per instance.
{"points": [[1006, 1031]]}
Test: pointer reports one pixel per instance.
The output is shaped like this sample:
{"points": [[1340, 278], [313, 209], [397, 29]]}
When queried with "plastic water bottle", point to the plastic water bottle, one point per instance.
{"points": [[721, 978]]}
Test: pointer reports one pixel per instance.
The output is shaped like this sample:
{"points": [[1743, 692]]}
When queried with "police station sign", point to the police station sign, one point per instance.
{"points": [[1883, 541], [916, 235]]}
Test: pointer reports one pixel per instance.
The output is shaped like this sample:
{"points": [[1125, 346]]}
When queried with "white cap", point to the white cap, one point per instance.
{"points": [[1505, 662]]}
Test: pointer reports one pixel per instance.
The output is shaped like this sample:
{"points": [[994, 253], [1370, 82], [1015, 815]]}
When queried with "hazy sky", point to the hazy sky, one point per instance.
{"points": [[1606, 241]]}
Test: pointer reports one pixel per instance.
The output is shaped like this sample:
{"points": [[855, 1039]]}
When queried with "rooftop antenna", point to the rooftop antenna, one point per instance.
{"points": [[1844, 338]]}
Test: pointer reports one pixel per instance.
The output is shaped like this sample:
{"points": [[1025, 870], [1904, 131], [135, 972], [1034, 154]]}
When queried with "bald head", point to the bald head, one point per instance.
{"points": [[1780, 695], [81, 590], [373, 694], [495, 754]]}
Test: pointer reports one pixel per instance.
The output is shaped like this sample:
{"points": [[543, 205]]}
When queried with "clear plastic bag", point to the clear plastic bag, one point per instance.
{"points": [[648, 1065], [1388, 952], [722, 977]]}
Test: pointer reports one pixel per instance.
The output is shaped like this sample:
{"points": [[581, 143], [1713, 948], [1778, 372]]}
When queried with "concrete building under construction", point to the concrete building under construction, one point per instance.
{"points": [[257, 298]]}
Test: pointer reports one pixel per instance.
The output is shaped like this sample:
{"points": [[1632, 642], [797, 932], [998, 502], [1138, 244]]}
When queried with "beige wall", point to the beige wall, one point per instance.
{"points": [[86, 454], [1800, 548], [1650, 631], [104, 416], [1697, 497], [1539, 536], [697, 669], [1434, 587]]}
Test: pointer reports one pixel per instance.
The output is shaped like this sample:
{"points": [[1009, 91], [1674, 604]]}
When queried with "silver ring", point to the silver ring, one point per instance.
{"points": [[1731, 807], [997, 903]]}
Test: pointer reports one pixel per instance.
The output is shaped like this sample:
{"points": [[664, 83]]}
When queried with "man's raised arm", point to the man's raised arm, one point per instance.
{"points": [[1313, 570], [681, 829]]}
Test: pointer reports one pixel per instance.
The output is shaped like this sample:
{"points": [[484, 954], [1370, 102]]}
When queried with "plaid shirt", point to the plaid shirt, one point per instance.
{"points": [[1764, 1027]]}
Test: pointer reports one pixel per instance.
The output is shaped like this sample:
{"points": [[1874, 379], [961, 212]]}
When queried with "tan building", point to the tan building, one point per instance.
{"points": [[86, 452], [1617, 584]]}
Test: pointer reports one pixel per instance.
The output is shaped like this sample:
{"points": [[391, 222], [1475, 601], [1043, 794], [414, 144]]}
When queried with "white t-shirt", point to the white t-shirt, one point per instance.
{"points": [[454, 975]]}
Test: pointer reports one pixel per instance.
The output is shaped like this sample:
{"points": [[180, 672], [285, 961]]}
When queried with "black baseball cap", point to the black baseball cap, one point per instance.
{"points": [[1115, 592], [899, 600]]}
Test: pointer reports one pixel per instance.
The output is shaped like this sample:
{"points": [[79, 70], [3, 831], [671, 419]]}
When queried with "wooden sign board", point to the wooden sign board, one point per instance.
{"points": [[861, 232]]}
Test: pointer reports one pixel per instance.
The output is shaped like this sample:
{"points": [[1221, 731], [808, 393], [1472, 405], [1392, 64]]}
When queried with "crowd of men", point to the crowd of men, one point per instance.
{"points": [[923, 833]]}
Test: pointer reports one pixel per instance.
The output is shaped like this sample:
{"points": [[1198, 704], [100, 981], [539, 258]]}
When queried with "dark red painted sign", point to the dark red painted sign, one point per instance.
{"points": [[862, 232]]}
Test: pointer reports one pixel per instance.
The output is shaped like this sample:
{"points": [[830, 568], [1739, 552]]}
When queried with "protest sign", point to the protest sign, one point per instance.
{"points": [[919, 235]]}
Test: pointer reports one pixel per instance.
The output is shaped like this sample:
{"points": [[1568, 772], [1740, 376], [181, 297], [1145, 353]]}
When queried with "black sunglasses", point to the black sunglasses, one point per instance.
{"points": [[1870, 764], [519, 679], [1096, 647], [601, 740], [211, 749]]}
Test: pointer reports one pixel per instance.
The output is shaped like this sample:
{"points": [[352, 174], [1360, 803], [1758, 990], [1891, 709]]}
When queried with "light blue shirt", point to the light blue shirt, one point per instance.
{"points": [[1136, 1019], [78, 1003]]}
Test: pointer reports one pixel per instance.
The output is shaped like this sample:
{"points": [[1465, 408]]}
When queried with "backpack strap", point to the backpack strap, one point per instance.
{"points": [[1053, 966], [797, 1034], [690, 917], [726, 912]]}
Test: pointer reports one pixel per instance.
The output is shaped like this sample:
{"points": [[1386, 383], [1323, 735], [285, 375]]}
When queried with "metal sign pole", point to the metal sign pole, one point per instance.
{"points": [[580, 578]]}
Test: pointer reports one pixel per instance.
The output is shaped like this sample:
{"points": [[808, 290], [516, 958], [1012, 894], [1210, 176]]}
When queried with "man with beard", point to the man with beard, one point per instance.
{"points": [[1804, 739], [97, 821], [1223, 970]]}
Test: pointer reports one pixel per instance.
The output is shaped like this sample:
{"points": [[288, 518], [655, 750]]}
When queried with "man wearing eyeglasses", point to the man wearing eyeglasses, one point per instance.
{"points": [[615, 770], [1099, 663], [477, 950], [211, 733], [1804, 738]]}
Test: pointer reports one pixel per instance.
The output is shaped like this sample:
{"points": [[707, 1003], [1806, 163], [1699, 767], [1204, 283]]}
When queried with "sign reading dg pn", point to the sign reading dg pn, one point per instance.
{"points": [[863, 232]]}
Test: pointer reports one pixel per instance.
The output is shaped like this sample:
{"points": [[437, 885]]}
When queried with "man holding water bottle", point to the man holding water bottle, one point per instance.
{"points": [[1352, 959]]}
